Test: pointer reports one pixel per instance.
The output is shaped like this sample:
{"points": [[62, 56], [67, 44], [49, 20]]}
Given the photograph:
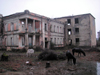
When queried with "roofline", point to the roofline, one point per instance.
{"points": [[75, 15], [30, 13]]}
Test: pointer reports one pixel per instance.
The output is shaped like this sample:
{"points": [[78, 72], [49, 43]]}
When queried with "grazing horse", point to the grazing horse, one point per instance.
{"points": [[70, 56], [30, 52], [79, 51]]}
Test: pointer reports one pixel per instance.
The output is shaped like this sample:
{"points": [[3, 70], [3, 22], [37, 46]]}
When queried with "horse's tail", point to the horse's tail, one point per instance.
{"points": [[83, 53], [73, 51], [74, 60]]}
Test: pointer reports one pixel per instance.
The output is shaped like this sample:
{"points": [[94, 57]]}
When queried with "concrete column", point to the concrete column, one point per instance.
{"points": [[26, 35], [34, 40], [40, 25], [26, 24], [33, 25]]}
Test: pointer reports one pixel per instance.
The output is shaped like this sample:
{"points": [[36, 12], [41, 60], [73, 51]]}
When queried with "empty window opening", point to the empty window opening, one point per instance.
{"points": [[69, 22], [51, 28], [76, 20], [77, 40], [55, 41], [69, 32], [54, 28], [46, 39], [11, 41], [58, 28], [22, 22], [51, 39], [30, 41], [12, 26], [76, 30], [23, 40], [70, 42], [58, 40], [45, 27]]}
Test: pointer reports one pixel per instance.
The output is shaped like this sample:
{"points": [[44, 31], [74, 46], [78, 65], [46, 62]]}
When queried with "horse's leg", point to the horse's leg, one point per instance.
{"points": [[78, 54], [68, 60]]}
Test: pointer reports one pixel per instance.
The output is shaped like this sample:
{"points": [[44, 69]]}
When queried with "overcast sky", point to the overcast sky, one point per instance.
{"points": [[53, 8]]}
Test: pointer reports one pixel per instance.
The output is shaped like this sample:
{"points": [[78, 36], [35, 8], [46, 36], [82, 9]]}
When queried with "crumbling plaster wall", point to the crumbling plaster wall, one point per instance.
{"points": [[57, 33], [93, 31], [85, 30]]}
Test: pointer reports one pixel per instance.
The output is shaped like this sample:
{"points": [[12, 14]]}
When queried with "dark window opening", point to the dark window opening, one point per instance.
{"points": [[55, 40], [76, 20], [11, 41], [30, 41], [69, 32], [23, 40], [45, 27], [76, 30], [51, 28], [70, 42], [46, 43], [69, 22], [77, 40], [45, 39]]}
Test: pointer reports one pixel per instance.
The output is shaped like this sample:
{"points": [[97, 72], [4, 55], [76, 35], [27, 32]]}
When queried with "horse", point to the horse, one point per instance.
{"points": [[70, 56], [30, 52], [79, 51]]}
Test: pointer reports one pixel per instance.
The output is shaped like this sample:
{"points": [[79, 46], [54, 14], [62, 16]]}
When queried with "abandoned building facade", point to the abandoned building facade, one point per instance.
{"points": [[26, 29], [80, 30]]}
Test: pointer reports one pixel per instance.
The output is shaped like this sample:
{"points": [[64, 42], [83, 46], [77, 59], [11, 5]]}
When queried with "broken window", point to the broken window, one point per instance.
{"points": [[51, 39], [76, 30], [54, 28], [23, 40], [70, 42], [76, 20], [69, 32], [58, 28], [30, 27], [58, 40], [51, 28], [45, 27], [6, 27], [77, 40], [30, 41], [12, 26], [5, 42], [46, 39], [69, 21], [55, 41], [11, 41]]}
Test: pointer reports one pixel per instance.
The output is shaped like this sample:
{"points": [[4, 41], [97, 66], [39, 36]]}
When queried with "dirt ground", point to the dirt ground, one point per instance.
{"points": [[16, 65]]}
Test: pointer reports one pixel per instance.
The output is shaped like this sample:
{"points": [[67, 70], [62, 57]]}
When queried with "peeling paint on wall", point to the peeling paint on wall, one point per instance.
{"points": [[9, 27]]}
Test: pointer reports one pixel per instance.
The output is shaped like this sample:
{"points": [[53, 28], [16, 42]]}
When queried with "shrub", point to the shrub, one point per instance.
{"points": [[62, 56], [38, 48], [47, 55], [4, 57], [52, 45]]}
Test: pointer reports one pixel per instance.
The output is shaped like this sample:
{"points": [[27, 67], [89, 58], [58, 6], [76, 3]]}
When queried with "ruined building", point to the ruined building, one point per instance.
{"points": [[79, 30], [27, 29]]}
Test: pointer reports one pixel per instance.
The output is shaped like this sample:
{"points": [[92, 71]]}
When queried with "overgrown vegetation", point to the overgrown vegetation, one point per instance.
{"points": [[47, 55]]}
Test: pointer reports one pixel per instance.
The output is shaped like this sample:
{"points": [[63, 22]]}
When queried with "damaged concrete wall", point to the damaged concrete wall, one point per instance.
{"points": [[57, 33], [80, 27]]}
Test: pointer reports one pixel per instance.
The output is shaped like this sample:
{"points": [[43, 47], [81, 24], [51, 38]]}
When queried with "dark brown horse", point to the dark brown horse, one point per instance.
{"points": [[70, 56], [79, 51]]}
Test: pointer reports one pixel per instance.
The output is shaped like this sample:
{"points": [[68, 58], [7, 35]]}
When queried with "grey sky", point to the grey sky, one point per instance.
{"points": [[53, 8]]}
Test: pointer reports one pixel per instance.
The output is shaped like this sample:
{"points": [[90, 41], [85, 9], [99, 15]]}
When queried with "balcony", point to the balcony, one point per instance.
{"points": [[22, 29]]}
